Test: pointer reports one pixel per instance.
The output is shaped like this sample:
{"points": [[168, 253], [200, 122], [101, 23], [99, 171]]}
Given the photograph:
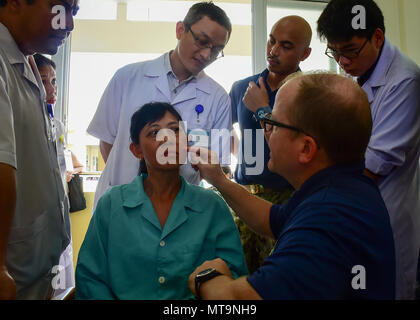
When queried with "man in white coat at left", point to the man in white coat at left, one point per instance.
{"points": [[177, 78], [34, 229]]}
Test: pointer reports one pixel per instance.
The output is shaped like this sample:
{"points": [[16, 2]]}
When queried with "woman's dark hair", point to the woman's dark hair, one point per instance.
{"points": [[42, 61], [149, 113], [335, 22], [210, 10]]}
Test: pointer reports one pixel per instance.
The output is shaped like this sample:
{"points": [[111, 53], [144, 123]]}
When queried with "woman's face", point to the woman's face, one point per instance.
{"points": [[49, 81], [162, 144]]}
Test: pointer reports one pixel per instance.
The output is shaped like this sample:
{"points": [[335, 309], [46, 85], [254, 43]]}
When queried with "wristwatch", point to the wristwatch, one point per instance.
{"points": [[202, 277], [261, 112]]}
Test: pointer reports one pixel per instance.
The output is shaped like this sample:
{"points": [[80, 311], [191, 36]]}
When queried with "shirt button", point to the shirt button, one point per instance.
{"points": [[162, 243], [161, 280]]}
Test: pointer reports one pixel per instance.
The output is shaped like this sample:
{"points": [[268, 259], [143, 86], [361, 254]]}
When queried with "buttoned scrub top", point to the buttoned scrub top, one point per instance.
{"points": [[126, 253], [137, 84], [393, 153], [41, 227]]}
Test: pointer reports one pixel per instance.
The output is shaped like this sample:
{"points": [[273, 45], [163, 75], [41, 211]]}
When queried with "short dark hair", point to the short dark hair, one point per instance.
{"points": [[42, 61], [340, 125], [148, 113], [335, 22], [4, 2], [210, 10]]}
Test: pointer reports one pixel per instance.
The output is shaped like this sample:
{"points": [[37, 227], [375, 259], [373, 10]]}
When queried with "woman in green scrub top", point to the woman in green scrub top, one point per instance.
{"points": [[146, 237]]}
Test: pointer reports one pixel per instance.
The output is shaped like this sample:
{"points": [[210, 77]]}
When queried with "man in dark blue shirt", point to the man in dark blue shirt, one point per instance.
{"points": [[334, 237], [287, 46]]}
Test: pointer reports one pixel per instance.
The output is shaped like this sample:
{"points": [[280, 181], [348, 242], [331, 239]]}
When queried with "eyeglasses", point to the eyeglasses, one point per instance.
{"points": [[268, 123], [331, 53], [215, 52]]}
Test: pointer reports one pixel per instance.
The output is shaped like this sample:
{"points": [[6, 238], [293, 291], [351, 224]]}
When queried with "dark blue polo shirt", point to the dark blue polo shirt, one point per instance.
{"points": [[244, 117], [335, 222]]}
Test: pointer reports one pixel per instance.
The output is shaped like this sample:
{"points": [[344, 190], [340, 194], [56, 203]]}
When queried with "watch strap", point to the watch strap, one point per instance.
{"points": [[200, 280]]}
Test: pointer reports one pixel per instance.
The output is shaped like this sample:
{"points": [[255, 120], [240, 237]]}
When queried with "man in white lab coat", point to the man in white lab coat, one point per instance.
{"points": [[34, 229], [177, 78]]}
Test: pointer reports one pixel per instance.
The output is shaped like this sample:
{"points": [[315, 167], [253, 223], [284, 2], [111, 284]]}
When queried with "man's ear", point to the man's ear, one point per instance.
{"points": [[136, 150], [308, 150], [378, 38], [180, 29], [306, 54], [14, 5]]}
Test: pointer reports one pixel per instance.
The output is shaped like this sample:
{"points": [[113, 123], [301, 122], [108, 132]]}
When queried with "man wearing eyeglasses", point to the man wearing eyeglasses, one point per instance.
{"points": [[392, 83], [177, 77], [334, 237], [287, 45]]}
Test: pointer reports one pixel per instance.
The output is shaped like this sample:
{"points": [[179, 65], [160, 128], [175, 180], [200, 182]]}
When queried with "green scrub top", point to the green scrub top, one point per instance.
{"points": [[127, 255]]}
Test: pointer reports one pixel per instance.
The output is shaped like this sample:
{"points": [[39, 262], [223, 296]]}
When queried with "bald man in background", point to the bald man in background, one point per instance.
{"points": [[288, 44]]}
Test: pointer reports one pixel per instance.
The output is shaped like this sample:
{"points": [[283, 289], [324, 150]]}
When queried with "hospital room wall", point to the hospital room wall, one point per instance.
{"points": [[402, 23]]}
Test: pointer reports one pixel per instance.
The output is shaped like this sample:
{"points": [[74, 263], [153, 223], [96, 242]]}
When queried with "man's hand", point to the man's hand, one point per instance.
{"points": [[218, 264], [7, 285], [256, 97], [207, 162]]}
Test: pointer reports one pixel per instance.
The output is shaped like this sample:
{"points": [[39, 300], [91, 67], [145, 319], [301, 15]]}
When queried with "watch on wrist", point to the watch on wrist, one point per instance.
{"points": [[202, 277], [261, 112]]}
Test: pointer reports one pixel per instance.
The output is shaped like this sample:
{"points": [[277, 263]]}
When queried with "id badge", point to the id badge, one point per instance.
{"points": [[199, 138]]}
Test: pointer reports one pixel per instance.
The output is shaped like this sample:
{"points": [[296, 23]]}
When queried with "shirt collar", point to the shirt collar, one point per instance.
{"points": [[378, 75], [9, 46], [322, 179], [159, 67], [133, 194], [16, 57], [365, 77], [264, 75], [170, 71]]}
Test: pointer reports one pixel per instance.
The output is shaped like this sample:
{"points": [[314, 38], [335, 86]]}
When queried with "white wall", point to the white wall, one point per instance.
{"points": [[403, 24]]}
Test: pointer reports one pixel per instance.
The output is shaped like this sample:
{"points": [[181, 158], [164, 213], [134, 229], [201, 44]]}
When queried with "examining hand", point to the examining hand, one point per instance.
{"points": [[218, 264], [256, 97], [207, 162]]}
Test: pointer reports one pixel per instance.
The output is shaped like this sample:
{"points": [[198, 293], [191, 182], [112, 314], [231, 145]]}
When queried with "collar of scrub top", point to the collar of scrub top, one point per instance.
{"points": [[133, 195], [379, 75], [15, 56], [170, 71], [156, 68]]}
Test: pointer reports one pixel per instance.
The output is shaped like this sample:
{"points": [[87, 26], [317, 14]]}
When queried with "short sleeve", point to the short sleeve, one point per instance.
{"points": [[396, 128], [104, 124], [277, 219], [298, 267], [7, 135]]}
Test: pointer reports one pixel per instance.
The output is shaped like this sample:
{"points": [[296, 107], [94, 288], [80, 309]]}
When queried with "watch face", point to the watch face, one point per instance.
{"points": [[261, 114], [205, 272]]}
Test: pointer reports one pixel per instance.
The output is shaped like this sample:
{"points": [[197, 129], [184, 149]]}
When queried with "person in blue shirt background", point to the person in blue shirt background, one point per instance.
{"points": [[147, 236], [334, 237], [287, 46], [392, 83]]}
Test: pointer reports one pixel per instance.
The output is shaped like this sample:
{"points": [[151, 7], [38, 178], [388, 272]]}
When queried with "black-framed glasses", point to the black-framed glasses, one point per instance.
{"points": [[268, 123], [215, 52], [331, 53]]}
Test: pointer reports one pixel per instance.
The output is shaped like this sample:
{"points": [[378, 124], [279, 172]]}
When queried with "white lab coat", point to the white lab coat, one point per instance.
{"points": [[137, 84]]}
